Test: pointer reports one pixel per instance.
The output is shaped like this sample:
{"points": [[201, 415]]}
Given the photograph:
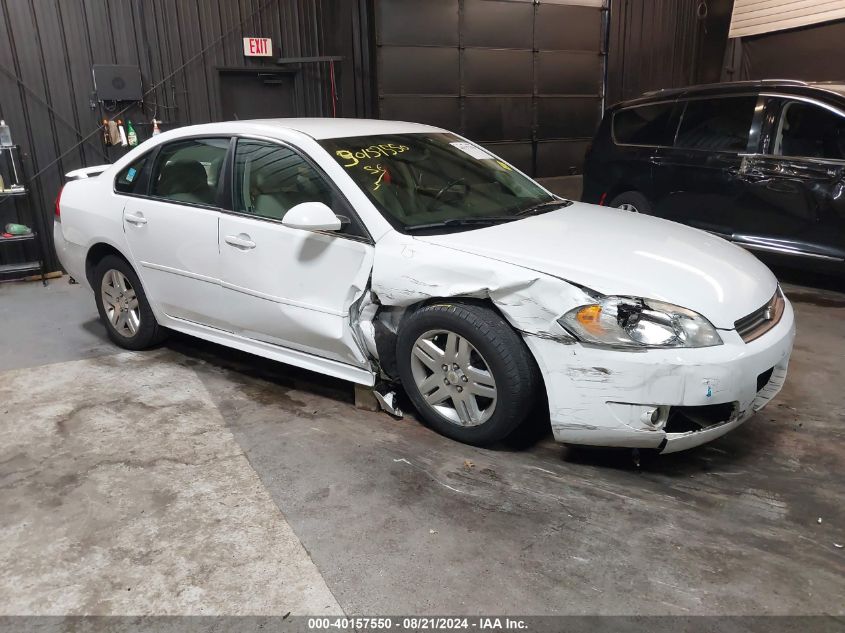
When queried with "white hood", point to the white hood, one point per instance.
{"points": [[622, 253]]}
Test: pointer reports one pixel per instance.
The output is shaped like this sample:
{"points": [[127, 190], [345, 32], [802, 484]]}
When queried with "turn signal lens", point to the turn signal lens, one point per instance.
{"points": [[589, 318], [589, 315]]}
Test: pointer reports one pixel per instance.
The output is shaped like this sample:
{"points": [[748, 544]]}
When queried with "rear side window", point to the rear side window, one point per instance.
{"points": [[717, 125], [128, 180], [188, 171], [644, 125], [808, 131]]}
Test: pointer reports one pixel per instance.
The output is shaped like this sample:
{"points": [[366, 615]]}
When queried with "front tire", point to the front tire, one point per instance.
{"points": [[467, 372], [633, 202], [123, 306]]}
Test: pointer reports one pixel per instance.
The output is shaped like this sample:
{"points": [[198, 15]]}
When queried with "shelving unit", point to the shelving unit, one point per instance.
{"points": [[10, 159]]}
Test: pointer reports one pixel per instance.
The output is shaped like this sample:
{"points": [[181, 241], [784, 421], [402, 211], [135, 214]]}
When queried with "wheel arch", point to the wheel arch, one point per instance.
{"points": [[95, 255], [618, 189], [387, 338], [542, 403], [534, 403]]}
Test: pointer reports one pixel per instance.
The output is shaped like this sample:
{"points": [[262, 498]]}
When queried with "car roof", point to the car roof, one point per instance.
{"points": [[317, 128], [791, 86]]}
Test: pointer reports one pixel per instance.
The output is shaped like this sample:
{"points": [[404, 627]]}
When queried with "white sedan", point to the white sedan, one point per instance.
{"points": [[384, 252]]}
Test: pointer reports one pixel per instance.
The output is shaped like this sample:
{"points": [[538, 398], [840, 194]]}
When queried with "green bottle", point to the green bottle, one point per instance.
{"points": [[18, 229], [131, 136]]}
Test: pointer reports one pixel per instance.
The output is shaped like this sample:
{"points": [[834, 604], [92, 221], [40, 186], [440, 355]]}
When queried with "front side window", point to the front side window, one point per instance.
{"points": [[189, 170], [128, 180], [810, 131], [437, 181], [717, 125], [270, 179], [644, 125]]}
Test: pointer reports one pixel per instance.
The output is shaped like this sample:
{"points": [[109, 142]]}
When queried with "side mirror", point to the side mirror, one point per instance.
{"points": [[312, 216]]}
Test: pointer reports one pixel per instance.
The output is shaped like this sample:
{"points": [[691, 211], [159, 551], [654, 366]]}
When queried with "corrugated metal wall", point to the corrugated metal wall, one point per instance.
{"points": [[664, 44], [47, 48]]}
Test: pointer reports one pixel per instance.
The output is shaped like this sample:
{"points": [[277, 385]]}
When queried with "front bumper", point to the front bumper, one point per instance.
{"points": [[605, 397]]}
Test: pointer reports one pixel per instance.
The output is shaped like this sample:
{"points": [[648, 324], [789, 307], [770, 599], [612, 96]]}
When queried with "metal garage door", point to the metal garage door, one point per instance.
{"points": [[523, 78], [753, 17]]}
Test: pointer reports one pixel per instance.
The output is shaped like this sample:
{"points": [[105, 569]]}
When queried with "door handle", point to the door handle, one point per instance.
{"points": [[137, 220], [241, 241]]}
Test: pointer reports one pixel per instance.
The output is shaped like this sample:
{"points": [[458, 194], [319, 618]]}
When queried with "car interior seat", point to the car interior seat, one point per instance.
{"points": [[397, 193], [186, 181], [267, 196]]}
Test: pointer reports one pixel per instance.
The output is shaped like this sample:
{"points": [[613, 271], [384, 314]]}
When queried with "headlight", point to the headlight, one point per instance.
{"points": [[631, 322]]}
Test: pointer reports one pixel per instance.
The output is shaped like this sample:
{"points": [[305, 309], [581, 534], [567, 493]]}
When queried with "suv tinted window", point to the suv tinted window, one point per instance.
{"points": [[720, 125], [807, 130], [270, 179], [644, 125], [128, 180], [188, 171]]}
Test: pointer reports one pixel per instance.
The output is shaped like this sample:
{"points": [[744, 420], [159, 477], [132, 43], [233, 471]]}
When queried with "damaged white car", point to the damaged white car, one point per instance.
{"points": [[384, 252]]}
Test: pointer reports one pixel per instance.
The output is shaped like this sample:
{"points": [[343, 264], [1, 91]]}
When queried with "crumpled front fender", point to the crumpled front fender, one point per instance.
{"points": [[407, 271]]}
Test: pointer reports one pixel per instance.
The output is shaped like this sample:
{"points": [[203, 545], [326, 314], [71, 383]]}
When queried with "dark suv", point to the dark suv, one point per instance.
{"points": [[760, 163]]}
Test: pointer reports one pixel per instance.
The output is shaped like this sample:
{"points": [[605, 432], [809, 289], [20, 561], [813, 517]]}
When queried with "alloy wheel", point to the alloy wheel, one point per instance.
{"points": [[453, 378], [120, 303]]}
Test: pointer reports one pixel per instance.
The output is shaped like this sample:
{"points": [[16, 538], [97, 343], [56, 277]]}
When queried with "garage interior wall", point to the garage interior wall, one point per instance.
{"points": [[47, 49], [522, 78], [656, 44], [811, 53]]}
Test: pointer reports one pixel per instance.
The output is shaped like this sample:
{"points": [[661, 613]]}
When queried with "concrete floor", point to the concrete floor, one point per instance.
{"points": [[196, 479]]}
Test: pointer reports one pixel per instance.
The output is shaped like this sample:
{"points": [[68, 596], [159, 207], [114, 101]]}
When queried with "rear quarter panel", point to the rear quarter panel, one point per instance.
{"points": [[91, 213]]}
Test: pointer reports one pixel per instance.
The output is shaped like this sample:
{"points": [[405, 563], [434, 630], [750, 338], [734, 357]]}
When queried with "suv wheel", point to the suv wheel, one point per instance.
{"points": [[467, 372], [632, 201]]}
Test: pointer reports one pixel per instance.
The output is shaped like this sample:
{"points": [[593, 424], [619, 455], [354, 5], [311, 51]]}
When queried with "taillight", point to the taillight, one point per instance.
{"points": [[602, 199], [58, 209]]}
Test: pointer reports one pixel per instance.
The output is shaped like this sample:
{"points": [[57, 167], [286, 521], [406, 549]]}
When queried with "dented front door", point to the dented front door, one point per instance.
{"points": [[292, 287]]}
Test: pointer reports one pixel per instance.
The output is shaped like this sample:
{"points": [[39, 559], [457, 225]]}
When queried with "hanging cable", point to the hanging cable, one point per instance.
{"points": [[154, 87], [333, 89], [50, 108]]}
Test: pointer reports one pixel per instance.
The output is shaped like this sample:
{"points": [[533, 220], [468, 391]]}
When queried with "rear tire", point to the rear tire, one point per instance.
{"points": [[123, 306], [634, 202], [467, 372]]}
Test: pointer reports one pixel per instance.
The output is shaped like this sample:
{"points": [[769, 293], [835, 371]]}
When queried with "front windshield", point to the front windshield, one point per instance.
{"points": [[434, 181]]}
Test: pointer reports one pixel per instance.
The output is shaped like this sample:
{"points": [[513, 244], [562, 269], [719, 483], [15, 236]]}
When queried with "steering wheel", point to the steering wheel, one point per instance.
{"points": [[446, 188]]}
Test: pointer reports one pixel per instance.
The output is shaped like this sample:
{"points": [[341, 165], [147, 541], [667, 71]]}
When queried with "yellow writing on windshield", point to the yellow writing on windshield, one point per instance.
{"points": [[376, 170], [373, 151]]}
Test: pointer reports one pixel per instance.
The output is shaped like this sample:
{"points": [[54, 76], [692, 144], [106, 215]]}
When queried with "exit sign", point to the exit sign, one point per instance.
{"points": [[258, 47]]}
